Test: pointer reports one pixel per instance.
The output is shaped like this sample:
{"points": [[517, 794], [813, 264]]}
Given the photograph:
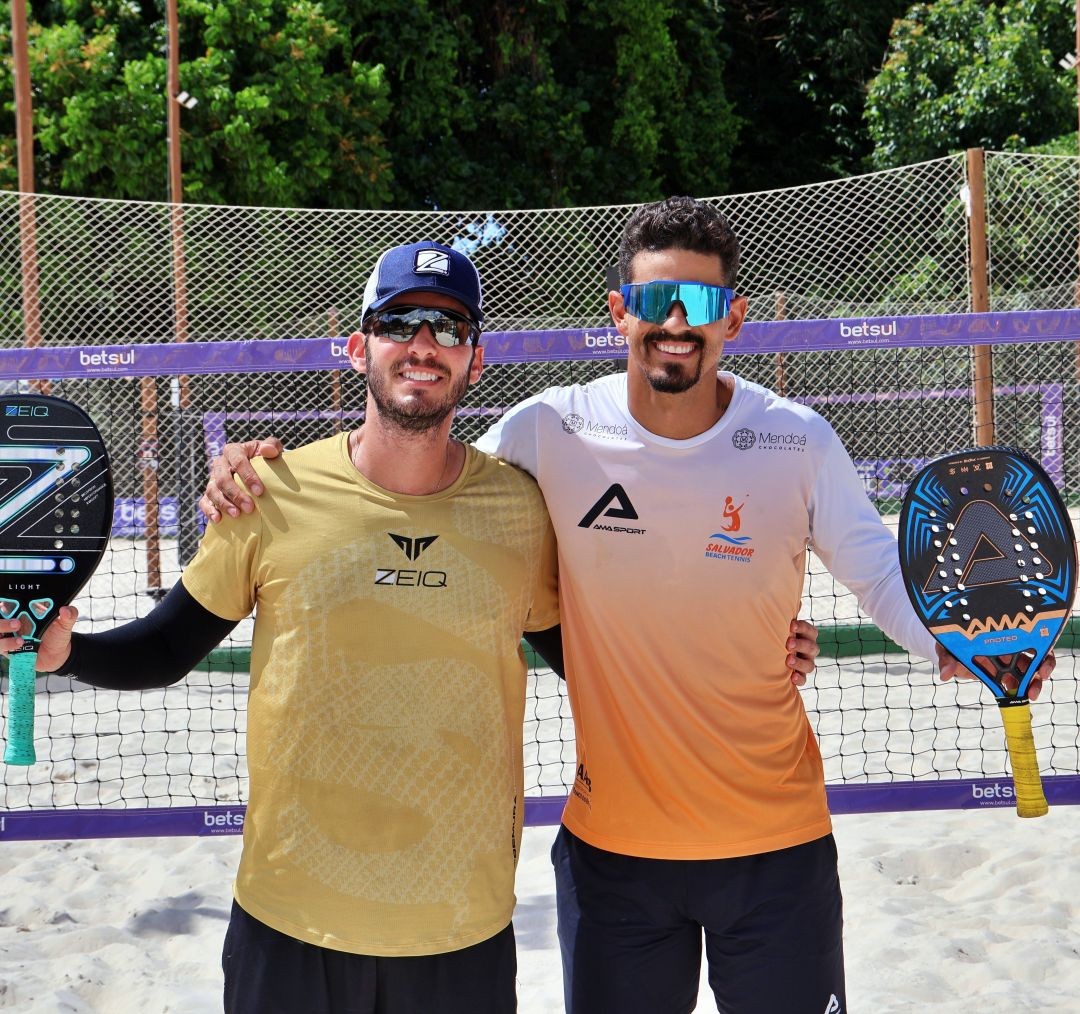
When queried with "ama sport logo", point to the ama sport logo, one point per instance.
{"points": [[615, 503], [727, 544]]}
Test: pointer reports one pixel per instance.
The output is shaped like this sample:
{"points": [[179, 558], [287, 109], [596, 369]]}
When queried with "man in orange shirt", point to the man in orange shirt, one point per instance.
{"points": [[699, 805]]}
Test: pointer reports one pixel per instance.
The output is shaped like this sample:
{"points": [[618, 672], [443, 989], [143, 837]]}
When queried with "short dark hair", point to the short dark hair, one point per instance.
{"points": [[680, 223]]}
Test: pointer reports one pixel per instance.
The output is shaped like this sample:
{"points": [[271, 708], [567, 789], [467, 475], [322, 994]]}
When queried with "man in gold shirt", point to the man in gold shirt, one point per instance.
{"points": [[392, 571]]}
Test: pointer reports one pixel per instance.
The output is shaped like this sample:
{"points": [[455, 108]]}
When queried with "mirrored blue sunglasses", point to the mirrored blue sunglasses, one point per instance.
{"points": [[701, 303]]}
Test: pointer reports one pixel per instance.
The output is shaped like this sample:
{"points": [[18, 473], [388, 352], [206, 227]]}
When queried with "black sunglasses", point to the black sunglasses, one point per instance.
{"points": [[400, 324]]}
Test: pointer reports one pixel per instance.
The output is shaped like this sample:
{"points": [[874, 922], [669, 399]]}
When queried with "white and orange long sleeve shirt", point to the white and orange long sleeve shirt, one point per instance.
{"points": [[681, 564]]}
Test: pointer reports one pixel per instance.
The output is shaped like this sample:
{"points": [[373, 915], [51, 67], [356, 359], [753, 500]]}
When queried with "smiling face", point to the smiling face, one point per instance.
{"points": [[673, 357], [416, 385]]}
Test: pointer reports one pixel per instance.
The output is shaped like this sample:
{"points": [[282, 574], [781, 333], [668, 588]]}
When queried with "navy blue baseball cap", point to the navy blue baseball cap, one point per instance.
{"points": [[424, 267]]}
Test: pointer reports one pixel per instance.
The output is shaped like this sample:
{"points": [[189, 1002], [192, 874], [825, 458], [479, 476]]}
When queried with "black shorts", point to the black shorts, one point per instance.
{"points": [[267, 972], [630, 930]]}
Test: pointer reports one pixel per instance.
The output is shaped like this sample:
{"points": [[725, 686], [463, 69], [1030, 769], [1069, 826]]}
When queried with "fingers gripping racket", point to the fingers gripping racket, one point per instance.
{"points": [[56, 507], [989, 562]]}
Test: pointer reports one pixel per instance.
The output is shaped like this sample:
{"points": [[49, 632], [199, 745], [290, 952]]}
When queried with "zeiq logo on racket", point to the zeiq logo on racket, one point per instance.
{"points": [[56, 507]]}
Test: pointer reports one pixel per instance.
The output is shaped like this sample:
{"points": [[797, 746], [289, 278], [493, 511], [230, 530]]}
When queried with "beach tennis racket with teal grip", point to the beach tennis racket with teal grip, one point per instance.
{"points": [[56, 506], [989, 561]]}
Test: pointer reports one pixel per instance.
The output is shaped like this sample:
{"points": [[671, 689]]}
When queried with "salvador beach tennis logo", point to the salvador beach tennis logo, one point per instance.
{"points": [[727, 543]]}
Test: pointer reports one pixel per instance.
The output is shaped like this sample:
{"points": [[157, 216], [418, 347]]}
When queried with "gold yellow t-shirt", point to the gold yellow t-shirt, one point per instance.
{"points": [[387, 696]]}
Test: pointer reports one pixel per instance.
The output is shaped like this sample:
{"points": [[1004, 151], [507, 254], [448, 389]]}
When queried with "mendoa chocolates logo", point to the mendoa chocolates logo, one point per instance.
{"points": [[574, 423], [746, 439]]}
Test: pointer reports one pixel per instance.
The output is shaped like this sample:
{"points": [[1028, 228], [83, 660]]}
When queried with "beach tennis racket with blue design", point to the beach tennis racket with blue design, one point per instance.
{"points": [[56, 506], [989, 561]]}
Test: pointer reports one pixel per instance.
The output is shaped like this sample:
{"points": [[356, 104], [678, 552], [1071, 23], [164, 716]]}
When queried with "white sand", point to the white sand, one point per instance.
{"points": [[945, 911]]}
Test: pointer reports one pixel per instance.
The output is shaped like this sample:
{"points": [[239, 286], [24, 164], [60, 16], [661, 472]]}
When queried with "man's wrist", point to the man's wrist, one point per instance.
{"points": [[69, 668]]}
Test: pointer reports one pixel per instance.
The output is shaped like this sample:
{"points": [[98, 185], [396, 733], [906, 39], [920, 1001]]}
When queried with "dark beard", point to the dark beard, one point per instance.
{"points": [[671, 378], [415, 417]]}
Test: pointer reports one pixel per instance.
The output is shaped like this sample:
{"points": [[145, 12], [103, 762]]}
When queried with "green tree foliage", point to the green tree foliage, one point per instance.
{"points": [[381, 103], [501, 104], [286, 115], [797, 77], [506, 104], [972, 73]]}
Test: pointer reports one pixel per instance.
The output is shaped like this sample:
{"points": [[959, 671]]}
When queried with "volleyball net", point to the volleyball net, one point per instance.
{"points": [[180, 327], [897, 389]]}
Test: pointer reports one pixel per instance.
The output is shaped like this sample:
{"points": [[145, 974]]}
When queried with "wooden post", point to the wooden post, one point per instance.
{"points": [[24, 142], [335, 376], [148, 459], [176, 184], [188, 448], [781, 371], [982, 365]]}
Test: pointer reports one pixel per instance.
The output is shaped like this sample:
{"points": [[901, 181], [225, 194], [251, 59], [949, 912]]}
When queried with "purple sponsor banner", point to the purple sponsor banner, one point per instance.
{"points": [[174, 359], [952, 794], [129, 517], [832, 334], [202, 821], [823, 335], [1051, 449], [178, 821]]}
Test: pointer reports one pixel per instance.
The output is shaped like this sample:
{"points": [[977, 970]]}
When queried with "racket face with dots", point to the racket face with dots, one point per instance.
{"points": [[989, 561], [56, 506]]}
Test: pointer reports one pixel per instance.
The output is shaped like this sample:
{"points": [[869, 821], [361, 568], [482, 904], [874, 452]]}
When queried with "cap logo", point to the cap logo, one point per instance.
{"points": [[432, 262]]}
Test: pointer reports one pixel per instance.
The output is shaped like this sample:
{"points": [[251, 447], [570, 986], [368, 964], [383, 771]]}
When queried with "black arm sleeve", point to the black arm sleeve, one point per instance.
{"points": [[154, 651], [548, 645]]}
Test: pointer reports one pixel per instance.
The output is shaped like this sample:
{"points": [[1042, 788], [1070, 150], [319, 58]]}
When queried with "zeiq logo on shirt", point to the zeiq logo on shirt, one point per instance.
{"points": [[411, 577]]}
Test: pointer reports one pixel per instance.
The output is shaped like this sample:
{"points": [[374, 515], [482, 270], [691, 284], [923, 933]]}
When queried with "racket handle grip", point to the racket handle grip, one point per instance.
{"points": [[1030, 801], [22, 677]]}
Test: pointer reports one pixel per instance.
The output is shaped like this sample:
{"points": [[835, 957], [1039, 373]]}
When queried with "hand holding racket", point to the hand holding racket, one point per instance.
{"points": [[989, 562], [56, 507]]}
